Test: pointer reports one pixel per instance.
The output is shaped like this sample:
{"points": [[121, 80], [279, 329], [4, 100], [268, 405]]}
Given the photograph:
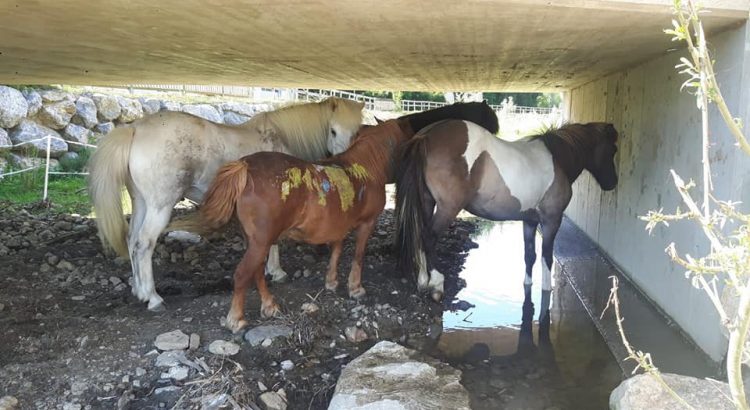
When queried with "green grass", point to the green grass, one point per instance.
{"points": [[66, 194]]}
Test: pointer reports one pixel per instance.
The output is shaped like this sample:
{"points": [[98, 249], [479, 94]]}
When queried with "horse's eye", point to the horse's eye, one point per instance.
{"points": [[333, 132]]}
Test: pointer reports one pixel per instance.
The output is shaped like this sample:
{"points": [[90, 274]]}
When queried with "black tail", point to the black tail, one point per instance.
{"points": [[411, 221]]}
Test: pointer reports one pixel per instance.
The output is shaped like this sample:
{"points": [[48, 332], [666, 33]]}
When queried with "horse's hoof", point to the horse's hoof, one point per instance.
{"points": [[272, 310], [437, 296], [235, 326], [157, 307], [357, 293], [332, 285]]}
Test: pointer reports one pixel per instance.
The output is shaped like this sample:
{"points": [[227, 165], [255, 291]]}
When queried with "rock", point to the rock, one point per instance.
{"points": [[354, 334], [34, 100], [104, 128], [214, 401], [171, 106], [309, 308], [107, 107], [174, 340], [644, 392], [77, 135], [267, 343], [244, 109], [56, 115], [13, 107], [8, 403], [170, 358], [77, 388], [204, 111], [51, 96], [262, 387], [287, 365], [232, 118], [130, 109], [140, 372], [28, 130], [65, 265], [223, 348], [178, 373], [273, 400], [71, 406], [5, 143], [306, 273], [392, 376], [85, 113], [308, 258], [182, 236], [257, 335], [195, 341], [150, 105], [114, 280], [166, 389]]}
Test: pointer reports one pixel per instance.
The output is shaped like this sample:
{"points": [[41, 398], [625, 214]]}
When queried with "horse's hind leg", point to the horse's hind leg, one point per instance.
{"points": [[136, 223], [141, 252], [331, 276], [529, 241], [247, 270], [273, 267], [445, 214], [268, 307], [356, 291]]}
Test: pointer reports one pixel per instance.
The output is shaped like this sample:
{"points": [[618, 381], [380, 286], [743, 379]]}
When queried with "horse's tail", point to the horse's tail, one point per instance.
{"points": [[220, 201], [108, 173], [411, 190]]}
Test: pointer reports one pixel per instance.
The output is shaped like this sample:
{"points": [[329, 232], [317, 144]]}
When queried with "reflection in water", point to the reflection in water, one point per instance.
{"points": [[570, 365]]}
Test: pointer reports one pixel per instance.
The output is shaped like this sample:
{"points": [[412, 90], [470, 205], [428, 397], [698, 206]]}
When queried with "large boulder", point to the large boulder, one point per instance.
{"points": [[34, 99], [56, 115], [104, 128], [13, 107], [107, 107], [85, 112], [239, 108], [130, 109], [390, 376], [644, 392], [5, 142], [170, 106], [28, 130], [50, 96], [204, 111], [77, 135]]}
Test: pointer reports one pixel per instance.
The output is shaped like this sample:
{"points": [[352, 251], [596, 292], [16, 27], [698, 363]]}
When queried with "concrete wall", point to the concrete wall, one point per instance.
{"points": [[660, 129]]}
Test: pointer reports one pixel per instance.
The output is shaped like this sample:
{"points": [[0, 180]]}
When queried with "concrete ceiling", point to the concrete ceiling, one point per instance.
{"points": [[507, 45]]}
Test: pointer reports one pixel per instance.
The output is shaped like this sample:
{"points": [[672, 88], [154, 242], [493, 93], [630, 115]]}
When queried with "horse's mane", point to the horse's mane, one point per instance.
{"points": [[373, 149], [577, 137], [304, 127]]}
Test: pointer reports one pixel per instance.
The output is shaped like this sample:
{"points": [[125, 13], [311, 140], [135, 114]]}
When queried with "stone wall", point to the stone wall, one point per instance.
{"points": [[28, 114]]}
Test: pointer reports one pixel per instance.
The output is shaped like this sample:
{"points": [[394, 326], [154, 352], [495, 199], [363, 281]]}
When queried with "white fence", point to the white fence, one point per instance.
{"points": [[48, 139]]}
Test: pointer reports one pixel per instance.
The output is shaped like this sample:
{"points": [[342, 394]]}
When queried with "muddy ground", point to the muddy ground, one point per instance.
{"points": [[73, 336]]}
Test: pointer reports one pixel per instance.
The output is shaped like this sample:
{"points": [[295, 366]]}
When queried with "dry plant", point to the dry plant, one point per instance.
{"points": [[726, 266]]}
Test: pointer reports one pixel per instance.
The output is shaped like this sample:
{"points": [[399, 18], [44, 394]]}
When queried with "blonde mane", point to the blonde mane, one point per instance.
{"points": [[304, 128]]}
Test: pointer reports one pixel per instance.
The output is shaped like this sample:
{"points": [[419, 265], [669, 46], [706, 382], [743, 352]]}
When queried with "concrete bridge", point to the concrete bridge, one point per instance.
{"points": [[610, 57]]}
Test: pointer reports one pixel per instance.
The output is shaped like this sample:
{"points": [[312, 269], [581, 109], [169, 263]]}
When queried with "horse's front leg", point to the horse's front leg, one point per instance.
{"points": [[249, 268], [356, 291], [273, 266], [331, 281], [529, 241]]}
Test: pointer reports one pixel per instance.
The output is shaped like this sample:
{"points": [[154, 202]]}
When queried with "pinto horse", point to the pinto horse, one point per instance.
{"points": [[172, 155], [275, 195], [455, 165]]}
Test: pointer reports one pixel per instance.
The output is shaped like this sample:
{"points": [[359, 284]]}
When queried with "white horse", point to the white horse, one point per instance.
{"points": [[168, 156]]}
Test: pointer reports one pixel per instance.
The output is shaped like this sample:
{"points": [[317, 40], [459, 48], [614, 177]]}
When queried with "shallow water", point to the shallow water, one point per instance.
{"points": [[510, 359]]}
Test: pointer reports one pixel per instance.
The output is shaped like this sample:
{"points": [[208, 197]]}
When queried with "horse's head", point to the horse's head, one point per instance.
{"points": [[346, 118], [602, 163]]}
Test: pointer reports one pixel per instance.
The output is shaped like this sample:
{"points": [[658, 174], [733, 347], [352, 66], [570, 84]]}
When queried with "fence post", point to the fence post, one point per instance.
{"points": [[46, 168]]}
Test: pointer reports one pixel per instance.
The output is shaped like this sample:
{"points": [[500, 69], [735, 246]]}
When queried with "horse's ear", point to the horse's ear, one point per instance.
{"points": [[611, 132], [485, 103], [378, 120]]}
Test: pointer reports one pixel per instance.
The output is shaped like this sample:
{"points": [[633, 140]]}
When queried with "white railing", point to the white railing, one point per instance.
{"points": [[48, 139]]}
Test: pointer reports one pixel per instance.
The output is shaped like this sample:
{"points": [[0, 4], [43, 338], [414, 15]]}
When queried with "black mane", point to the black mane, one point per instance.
{"points": [[477, 112]]}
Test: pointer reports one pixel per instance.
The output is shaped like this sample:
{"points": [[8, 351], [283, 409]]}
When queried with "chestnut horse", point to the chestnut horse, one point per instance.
{"points": [[276, 195], [168, 156], [457, 165]]}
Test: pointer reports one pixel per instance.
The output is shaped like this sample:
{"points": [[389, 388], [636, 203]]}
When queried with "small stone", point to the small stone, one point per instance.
{"points": [[170, 358], [187, 319], [78, 298], [140, 372], [174, 340], [65, 265], [77, 388], [354, 334], [223, 347], [53, 260], [287, 365], [178, 373], [273, 400], [257, 335], [297, 274], [71, 406], [195, 341], [267, 342], [115, 280], [2, 307], [126, 379], [8, 403], [309, 308], [306, 273], [166, 389], [214, 401], [262, 387]]}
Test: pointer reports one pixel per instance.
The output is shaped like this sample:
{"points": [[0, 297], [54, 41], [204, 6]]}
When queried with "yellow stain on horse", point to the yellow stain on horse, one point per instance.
{"points": [[338, 179]]}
